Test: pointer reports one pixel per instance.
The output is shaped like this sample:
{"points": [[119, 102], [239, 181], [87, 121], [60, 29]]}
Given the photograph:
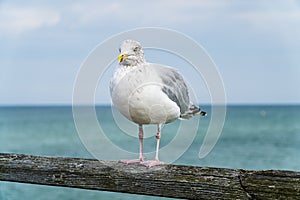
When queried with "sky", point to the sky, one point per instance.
{"points": [[254, 44]]}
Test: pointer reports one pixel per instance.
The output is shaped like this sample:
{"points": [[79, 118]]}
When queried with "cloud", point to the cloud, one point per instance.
{"points": [[274, 16], [146, 13], [279, 18], [86, 13], [195, 15], [19, 19]]}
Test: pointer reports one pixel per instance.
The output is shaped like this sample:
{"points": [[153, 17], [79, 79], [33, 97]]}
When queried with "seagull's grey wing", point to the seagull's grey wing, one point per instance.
{"points": [[174, 87]]}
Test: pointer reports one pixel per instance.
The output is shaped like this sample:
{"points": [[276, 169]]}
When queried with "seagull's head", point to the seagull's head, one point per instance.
{"points": [[131, 53]]}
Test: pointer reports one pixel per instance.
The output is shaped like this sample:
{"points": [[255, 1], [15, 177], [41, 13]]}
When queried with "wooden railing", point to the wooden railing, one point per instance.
{"points": [[178, 181]]}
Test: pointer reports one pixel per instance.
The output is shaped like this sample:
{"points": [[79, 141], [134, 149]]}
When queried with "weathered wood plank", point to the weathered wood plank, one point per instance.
{"points": [[189, 182]]}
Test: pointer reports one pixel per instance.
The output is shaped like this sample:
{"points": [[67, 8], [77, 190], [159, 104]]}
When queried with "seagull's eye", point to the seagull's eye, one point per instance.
{"points": [[120, 50], [136, 49]]}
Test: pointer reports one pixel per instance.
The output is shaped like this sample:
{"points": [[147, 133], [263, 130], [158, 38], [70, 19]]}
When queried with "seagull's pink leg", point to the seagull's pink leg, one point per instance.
{"points": [[141, 137], [157, 140], [156, 161], [141, 157]]}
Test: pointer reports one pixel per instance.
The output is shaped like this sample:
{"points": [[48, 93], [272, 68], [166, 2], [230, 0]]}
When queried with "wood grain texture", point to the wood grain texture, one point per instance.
{"points": [[178, 181]]}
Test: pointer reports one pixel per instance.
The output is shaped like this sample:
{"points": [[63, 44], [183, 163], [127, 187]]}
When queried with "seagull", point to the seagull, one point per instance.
{"points": [[149, 93]]}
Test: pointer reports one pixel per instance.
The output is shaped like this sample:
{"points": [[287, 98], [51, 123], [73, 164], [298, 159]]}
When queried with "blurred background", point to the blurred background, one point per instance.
{"points": [[255, 45]]}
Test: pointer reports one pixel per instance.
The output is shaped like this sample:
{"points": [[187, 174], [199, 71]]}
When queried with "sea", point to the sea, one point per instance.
{"points": [[254, 137]]}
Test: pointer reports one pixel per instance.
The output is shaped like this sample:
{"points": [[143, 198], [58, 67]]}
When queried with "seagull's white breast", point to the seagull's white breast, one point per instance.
{"points": [[137, 94]]}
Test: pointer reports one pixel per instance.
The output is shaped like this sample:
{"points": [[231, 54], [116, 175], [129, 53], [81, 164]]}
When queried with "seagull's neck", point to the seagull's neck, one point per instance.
{"points": [[134, 63]]}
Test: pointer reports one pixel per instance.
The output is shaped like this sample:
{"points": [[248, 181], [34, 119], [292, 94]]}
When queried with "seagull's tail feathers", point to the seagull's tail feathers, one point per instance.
{"points": [[192, 111]]}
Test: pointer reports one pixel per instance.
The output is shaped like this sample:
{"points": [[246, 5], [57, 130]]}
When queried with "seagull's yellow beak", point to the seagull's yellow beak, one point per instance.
{"points": [[122, 57]]}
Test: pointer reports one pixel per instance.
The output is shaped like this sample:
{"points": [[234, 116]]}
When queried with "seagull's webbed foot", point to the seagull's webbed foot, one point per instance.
{"points": [[131, 161]]}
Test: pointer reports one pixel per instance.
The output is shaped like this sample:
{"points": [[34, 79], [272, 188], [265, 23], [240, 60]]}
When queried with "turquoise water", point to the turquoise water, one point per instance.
{"points": [[254, 137]]}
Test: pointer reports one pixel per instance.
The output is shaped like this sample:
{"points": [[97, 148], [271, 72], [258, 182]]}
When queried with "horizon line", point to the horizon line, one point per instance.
{"points": [[107, 105]]}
